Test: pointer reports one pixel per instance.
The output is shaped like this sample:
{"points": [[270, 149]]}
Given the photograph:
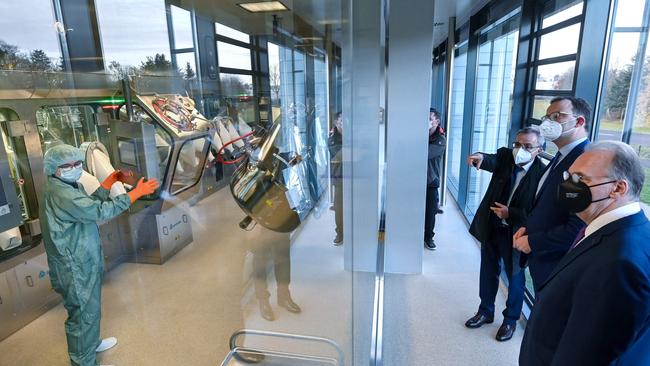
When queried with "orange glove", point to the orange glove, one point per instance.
{"points": [[111, 179], [143, 188]]}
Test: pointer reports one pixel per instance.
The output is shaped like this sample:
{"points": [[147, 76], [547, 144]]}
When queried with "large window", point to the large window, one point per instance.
{"points": [[624, 113], [183, 54], [455, 133], [234, 54], [557, 47], [147, 49], [492, 99], [29, 43]]}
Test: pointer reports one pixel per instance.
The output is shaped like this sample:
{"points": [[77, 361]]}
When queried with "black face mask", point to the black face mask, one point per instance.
{"points": [[576, 197]]}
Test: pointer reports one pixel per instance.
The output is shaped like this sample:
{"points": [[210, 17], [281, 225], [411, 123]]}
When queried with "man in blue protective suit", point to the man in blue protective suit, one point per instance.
{"points": [[71, 237]]}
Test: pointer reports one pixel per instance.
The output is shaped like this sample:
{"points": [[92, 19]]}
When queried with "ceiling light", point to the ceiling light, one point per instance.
{"points": [[263, 6]]}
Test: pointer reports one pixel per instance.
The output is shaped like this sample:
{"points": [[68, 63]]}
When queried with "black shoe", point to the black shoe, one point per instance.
{"points": [[430, 245], [287, 303], [266, 311], [338, 240], [439, 211], [248, 357], [506, 331], [477, 320]]}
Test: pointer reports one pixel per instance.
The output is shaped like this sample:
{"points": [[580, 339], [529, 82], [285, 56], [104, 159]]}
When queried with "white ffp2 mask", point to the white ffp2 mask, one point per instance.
{"points": [[521, 156]]}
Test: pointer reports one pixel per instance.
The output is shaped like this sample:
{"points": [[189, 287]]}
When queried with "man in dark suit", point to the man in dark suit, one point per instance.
{"points": [[550, 228], [505, 206], [594, 307]]}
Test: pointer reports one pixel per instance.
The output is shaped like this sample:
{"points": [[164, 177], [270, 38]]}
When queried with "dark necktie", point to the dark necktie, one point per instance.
{"points": [[580, 236], [513, 178]]}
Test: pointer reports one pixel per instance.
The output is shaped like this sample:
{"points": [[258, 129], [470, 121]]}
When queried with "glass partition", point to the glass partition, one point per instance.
{"points": [[189, 165], [230, 112], [71, 125]]}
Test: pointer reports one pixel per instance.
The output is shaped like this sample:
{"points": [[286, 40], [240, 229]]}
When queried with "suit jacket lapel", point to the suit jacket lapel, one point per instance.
{"points": [[593, 241], [524, 181], [561, 165]]}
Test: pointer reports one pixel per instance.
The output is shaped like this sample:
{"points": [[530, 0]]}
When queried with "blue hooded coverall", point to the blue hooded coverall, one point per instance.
{"points": [[74, 253]]}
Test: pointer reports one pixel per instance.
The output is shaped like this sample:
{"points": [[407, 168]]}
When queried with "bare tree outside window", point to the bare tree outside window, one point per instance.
{"points": [[274, 79]]}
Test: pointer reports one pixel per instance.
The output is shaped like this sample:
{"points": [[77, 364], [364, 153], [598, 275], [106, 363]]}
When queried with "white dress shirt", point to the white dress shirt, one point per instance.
{"points": [[565, 150], [611, 216], [520, 176]]}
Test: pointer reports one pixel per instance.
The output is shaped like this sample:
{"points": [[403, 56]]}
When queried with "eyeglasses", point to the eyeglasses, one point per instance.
{"points": [[517, 144], [575, 177], [69, 166], [555, 115]]}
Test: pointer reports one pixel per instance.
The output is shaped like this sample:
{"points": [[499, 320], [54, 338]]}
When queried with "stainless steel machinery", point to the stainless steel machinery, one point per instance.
{"points": [[37, 112]]}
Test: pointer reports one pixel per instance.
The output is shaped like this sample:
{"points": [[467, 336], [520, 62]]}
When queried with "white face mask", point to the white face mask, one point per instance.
{"points": [[521, 156], [551, 130], [72, 175]]}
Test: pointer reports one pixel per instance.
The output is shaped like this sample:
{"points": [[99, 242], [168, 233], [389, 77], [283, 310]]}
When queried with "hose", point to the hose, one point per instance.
{"points": [[229, 162]]}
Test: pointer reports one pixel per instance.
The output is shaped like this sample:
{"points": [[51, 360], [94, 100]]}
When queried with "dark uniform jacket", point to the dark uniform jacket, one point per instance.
{"points": [[437, 144], [501, 166], [594, 308]]}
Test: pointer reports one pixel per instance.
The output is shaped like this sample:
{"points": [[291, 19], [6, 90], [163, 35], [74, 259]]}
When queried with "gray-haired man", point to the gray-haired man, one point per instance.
{"points": [[594, 307], [504, 209]]}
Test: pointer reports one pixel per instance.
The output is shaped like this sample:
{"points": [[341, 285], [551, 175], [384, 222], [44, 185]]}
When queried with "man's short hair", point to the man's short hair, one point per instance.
{"points": [[435, 112], [625, 165], [579, 106], [535, 131]]}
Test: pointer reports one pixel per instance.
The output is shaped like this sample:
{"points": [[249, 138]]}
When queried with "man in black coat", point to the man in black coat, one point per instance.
{"points": [[437, 145], [594, 307], [504, 209], [551, 228]]}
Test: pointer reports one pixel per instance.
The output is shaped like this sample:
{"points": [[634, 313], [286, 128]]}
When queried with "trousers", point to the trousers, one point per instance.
{"points": [[497, 249], [430, 211]]}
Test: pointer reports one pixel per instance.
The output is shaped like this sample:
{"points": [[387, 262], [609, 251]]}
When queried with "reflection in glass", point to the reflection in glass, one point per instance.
{"points": [[28, 42], [71, 125], [182, 25], [144, 18], [186, 64], [189, 165], [274, 77], [559, 43], [223, 30], [237, 85], [562, 15], [456, 123], [14, 171], [233, 56], [558, 76]]}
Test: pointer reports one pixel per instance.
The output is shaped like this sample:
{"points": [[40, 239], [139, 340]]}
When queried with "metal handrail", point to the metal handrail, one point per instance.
{"points": [[241, 332]]}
